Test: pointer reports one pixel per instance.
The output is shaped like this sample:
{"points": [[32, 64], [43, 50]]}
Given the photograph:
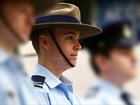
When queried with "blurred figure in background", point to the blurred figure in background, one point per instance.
{"points": [[113, 60], [55, 38], [16, 21]]}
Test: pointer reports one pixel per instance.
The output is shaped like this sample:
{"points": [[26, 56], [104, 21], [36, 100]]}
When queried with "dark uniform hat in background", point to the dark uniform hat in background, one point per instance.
{"points": [[118, 33]]}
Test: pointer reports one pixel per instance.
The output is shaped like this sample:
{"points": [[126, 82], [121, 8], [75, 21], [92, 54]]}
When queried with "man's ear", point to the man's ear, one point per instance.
{"points": [[43, 41], [101, 61]]}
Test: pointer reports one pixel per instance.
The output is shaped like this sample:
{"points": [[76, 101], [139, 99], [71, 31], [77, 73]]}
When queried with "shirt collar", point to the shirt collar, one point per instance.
{"points": [[51, 80], [108, 87], [67, 82]]}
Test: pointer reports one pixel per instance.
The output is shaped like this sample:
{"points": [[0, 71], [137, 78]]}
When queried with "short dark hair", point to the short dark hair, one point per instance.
{"points": [[35, 38], [93, 53]]}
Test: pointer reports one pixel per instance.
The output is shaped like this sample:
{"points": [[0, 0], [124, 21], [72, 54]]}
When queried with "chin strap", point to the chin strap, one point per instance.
{"points": [[58, 47]]}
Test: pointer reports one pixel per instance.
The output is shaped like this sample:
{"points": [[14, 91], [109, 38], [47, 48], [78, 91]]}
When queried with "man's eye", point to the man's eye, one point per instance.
{"points": [[125, 53], [69, 37]]}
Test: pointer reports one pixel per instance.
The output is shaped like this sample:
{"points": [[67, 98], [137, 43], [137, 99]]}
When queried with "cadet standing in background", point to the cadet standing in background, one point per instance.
{"points": [[55, 38], [16, 21], [113, 60]]}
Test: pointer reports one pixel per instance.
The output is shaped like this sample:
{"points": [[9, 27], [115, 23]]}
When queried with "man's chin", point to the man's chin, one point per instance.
{"points": [[24, 34], [25, 38], [132, 76], [73, 64]]}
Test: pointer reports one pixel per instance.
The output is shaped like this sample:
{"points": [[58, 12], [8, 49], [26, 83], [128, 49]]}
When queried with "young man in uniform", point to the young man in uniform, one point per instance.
{"points": [[55, 38], [113, 60], [16, 21]]}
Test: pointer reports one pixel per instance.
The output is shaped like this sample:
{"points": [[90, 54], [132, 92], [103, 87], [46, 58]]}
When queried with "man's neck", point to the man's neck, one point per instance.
{"points": [[7, 41], [117, 82], [6, 46], [52, 68]]}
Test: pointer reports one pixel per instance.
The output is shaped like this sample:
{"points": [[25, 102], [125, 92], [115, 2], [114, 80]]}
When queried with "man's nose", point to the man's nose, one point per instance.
{"points": [[77, 46]]}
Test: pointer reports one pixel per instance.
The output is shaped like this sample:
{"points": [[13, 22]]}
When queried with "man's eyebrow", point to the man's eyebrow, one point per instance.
{"points": [[70, 33], [73, 33]]}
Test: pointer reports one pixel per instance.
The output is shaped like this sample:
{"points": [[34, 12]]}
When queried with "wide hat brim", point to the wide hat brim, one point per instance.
{"points": [[84, 29]]}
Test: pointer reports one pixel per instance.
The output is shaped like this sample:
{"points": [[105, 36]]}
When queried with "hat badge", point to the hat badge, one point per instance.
{"points": [[127, 32]]}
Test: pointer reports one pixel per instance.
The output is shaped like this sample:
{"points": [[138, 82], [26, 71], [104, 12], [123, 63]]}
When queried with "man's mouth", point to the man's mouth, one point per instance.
{"points": [[74, 56]]}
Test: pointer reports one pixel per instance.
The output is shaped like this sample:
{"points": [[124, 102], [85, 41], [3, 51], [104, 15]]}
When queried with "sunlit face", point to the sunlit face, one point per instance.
{"points": [[122, 62], [21, 18], [68, 40]]}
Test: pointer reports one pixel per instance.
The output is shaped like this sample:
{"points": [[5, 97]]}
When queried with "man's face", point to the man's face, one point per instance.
{"points": [[122, 62], [68, 39], [21, 18]]}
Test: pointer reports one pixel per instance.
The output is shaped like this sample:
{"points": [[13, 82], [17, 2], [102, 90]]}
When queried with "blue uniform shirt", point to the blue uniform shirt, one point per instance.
{"points": [[51, 90], [105, 93], [16, 88]]}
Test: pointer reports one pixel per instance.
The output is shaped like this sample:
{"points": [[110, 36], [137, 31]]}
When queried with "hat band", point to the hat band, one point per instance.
{"points": [[56, 18]]}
